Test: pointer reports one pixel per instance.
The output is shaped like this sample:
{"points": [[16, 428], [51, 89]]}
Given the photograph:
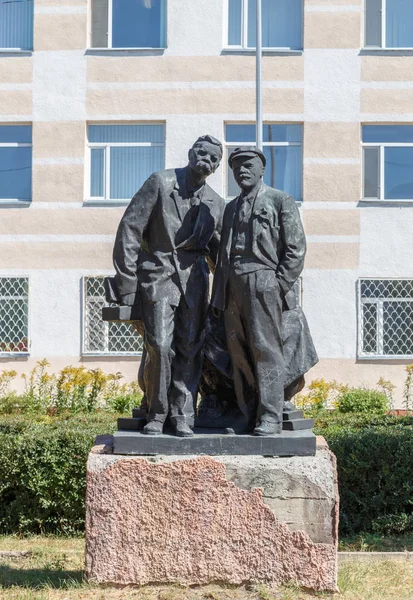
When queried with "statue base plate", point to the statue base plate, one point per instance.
{"points": [[289, 443]]}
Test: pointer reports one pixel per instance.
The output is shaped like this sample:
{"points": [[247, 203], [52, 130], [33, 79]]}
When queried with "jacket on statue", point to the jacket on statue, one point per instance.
{"points": [[160, 246], [278, 241]]}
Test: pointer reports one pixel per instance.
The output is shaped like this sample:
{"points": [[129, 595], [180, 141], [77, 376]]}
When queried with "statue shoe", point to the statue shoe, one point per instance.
{"points": [[183, 430], [268, 428], [153, 428]]}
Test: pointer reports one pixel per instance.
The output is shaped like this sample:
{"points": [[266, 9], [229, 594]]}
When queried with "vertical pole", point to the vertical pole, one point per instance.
{"points": [[259, 76]]}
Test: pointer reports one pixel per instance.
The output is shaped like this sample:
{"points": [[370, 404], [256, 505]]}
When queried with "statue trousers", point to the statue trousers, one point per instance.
{"points": [[253, 331], [174, 337]]}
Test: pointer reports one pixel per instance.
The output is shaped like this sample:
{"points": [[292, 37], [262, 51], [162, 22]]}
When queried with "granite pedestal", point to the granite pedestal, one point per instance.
{"points": [[193, 520]]}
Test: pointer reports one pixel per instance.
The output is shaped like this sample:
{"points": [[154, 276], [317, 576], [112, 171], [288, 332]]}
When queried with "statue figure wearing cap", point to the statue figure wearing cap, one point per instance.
{"points": [[169, 230], [261, 256]]}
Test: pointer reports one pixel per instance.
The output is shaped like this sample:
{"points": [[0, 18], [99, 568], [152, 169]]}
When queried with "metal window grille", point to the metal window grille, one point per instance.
{"points": [[14, 315], [385, 318], [100, 337]]}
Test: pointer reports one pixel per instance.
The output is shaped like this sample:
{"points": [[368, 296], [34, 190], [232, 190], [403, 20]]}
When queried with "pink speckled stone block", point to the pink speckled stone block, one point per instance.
{"points": [[182, 521]]}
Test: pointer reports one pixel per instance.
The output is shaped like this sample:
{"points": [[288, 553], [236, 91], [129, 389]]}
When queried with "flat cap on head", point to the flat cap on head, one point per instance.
{"points": [[248, 152]]}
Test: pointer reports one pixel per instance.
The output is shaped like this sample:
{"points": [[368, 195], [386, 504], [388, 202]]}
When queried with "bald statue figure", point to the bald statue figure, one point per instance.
{"points": [[169, 230], [261, 256]]}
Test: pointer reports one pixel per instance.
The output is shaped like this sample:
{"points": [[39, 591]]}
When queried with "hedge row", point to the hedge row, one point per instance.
{"points": [[43, 464], [43, 472], [375, 471]]}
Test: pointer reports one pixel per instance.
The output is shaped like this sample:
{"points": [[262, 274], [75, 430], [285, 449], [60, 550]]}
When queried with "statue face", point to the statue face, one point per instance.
{"points": [[247, 171], [204, 158]]}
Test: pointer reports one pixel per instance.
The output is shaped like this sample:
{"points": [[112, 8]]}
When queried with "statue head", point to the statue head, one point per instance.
{"points": [[248, 166], [205, 156]]}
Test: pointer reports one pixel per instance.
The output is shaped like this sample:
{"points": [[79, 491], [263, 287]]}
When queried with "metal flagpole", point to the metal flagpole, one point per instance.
{"points": [[259, 76]]}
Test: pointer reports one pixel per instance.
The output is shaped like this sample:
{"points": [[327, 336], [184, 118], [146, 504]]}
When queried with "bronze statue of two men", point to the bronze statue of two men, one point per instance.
{"points": [[175, 230]]}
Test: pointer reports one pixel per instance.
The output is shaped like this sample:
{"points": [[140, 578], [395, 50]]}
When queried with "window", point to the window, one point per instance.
{"points": [[122, 157], [16, 24], [388, 24], [386, 318], [388, 162], [128, 23], [282, 22], [15, 162], [282, 146], [14, 315], [101, 337]]}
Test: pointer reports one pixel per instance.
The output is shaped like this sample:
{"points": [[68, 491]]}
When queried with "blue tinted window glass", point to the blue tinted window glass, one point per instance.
{"points": [[130, 167], [399, 24], [97, 172], [271, 133], [282, 133], [234, 22], [397, 134], [138, 24], [281, 23], [16, 24], [17, 134], [15, 173], [398, 173], [283, 169], [240, 133], [126, 133]]}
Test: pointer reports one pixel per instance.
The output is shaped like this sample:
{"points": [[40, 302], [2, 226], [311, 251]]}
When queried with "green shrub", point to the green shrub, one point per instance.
{"points": [[375, 466], [360, 400], [43, 472], [399, 524]]}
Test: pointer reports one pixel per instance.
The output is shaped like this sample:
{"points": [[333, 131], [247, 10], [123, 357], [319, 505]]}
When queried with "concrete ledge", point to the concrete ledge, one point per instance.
{"points": [[374, 556], [195, 520]]}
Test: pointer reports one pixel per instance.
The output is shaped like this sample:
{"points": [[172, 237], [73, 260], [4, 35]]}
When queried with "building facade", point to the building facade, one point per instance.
{"points": [[96, 95]]}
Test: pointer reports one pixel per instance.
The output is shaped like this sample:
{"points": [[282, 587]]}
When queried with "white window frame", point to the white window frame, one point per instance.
{"points": [[106, 161], [379, 326], [18, 145], [244, 32], [383, 30], [10, 353], [232, 145], [381, 146], [84, 300], [110, 32]]}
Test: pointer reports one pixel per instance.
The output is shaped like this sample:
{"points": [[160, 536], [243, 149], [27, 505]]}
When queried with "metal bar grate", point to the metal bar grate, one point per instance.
{"points": [[100, 337], [14, 315], [385, 311]]}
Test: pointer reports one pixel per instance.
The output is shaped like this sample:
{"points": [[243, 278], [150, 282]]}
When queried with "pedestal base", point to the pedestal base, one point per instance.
{"points": [[289, 443], [196, 520]]}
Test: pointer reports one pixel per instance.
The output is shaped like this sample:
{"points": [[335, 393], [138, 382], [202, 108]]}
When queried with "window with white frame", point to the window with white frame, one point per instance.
{"points": [[14, 315], [388, 24], [16, 24], [122, 157], [15, 162], [387, 162], [101, 337], [282, 146], [128, 23], [282, 24], [385, 318]]}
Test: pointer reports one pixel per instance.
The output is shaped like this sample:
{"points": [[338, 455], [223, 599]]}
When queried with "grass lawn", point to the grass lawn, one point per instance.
{"points": [[54, 571]]}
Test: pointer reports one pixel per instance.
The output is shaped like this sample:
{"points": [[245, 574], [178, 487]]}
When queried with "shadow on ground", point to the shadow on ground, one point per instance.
{"points": [[39, 578]]}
